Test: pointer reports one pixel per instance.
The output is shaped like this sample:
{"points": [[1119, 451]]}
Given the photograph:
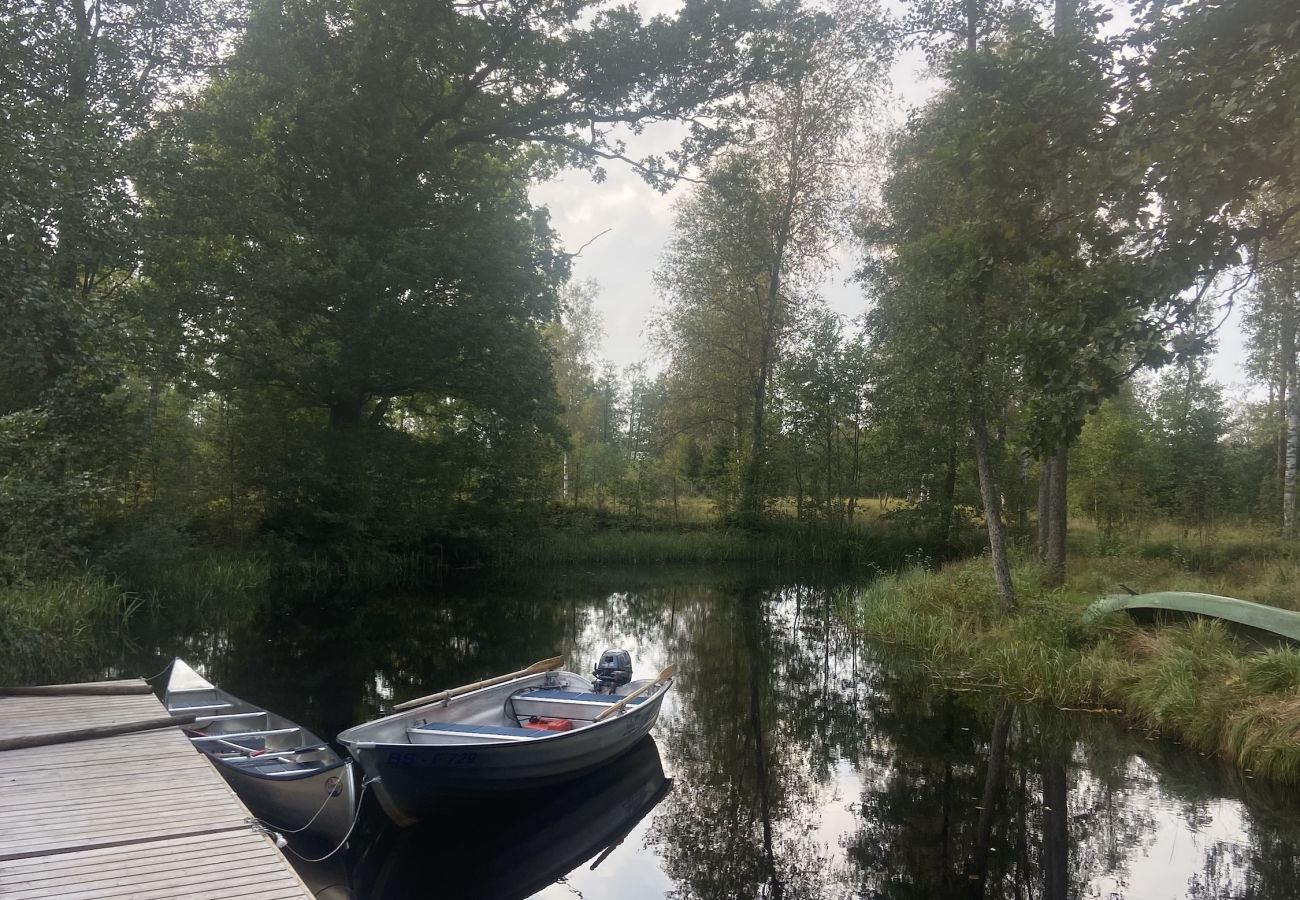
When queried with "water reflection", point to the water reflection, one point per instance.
{"points": [[805, 763], [518, 846]]}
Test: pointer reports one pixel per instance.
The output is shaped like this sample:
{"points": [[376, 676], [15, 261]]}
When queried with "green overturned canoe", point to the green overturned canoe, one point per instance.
{"points": [[1255, 615]]}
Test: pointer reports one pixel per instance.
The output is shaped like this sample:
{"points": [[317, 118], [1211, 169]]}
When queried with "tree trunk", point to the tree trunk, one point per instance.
{"points": [[855, 471], [753, 629], [977, 869], [750, 502], [1287, 431], [1022, 510], [564, 476], [1280, 441], [949, 496], [1044, 503], [1289, 479], [991, 493], [343, 454], [1056, 831], [798, 490], [1057, 521]]}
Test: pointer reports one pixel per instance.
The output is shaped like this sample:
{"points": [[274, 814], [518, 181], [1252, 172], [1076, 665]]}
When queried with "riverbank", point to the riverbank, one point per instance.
{"points": [[1200, 684], [50, 623]]}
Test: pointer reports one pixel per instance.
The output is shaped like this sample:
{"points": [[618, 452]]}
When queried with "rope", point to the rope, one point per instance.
{"points": [[328, 797], [267, 829], [356, 817]]}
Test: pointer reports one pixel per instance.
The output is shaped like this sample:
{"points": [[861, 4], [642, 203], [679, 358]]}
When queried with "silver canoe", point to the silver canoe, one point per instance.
{"points": [[478, 744], [286, 776]]}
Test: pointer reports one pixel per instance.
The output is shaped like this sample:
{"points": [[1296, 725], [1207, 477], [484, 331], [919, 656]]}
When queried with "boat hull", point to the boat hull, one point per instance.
{"points": [[285, 775], [519, 847], [413, 780], [321, 804]]}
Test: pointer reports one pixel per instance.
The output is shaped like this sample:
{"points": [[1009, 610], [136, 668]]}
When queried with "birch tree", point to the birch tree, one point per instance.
{"points": [[1271, 319], [750, 241]]}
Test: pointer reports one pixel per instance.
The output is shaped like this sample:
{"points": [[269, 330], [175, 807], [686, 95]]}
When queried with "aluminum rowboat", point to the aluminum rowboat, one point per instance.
{"points": [[286, 776], [478, 743]]}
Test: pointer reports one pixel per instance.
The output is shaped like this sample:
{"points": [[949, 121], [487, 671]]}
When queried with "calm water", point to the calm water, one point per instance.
{"points": [[791, 760]]}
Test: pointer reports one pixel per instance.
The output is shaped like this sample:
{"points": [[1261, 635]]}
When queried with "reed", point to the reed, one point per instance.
{"points": [[50, 626]]}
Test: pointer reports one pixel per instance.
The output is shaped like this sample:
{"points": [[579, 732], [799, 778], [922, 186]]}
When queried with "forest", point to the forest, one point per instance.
{"points": [[273, 284]]}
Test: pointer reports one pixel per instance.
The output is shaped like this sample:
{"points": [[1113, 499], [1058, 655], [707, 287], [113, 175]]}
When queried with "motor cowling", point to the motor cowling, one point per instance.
{"points": [[613, 670]]}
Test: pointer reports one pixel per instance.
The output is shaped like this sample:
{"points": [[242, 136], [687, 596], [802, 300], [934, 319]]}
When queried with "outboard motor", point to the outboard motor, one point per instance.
{"points": [[613, 670]]}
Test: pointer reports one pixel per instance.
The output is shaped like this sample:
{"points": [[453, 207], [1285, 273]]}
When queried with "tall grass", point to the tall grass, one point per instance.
{"points": [[1197, 683], [46, 626]]}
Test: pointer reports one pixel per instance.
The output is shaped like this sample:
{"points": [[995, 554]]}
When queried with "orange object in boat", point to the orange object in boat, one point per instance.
{"points": [[541, 723]]}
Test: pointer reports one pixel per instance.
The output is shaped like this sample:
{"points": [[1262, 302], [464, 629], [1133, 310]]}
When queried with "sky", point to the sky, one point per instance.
{"points": [[638, 221]]}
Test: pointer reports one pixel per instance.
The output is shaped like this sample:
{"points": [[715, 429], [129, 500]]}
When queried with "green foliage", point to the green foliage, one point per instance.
{"points": [[1212, 127], [1112, 467]]}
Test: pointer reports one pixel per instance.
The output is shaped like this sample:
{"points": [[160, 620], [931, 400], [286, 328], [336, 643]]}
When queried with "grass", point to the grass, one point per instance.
{"points": [[1197, 683], [48, 626], [781, 543]]}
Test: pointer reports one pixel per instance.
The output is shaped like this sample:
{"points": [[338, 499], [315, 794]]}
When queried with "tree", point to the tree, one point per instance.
{"points": [[1212, 129], [574, 340], [821, 398], [346, 207], [1271, 317], [80, 82], [1190, 421], [1114, 464], [761, 224], [1012, 248]]}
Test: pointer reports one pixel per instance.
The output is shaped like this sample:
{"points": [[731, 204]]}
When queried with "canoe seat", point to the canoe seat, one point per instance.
{"points": [[197, 708], [241, 735], [578, 697], [228, 717], [429, 732]]}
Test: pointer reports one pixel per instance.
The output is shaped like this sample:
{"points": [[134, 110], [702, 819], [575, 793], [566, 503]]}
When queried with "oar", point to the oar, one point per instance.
{"points": [[663, 676], [544, 665]]}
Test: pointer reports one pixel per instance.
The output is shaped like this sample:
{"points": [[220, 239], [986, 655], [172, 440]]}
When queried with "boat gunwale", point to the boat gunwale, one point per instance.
{"points": [[287, 776], [350, 742]]}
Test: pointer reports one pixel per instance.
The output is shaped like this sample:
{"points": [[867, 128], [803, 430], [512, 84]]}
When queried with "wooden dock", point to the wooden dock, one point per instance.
{"points": [[140, 815]]}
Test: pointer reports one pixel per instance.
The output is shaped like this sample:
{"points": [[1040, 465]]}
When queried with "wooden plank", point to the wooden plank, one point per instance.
{"points": [[142, 815], [97, 857], [163, 860], [83, 689], [21, 716], [242, 864], [107, 882], [61, 803]]}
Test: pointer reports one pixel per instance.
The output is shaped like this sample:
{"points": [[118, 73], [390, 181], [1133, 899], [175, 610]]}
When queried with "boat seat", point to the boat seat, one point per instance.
{"points": [[578, 697], [459, 729]]}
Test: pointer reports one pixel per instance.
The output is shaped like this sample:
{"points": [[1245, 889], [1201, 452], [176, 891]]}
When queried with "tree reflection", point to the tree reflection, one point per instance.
{"points": [[753, 740]]}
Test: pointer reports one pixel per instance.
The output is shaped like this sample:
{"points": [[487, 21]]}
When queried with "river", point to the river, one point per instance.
{"points": [[792, 759]]}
